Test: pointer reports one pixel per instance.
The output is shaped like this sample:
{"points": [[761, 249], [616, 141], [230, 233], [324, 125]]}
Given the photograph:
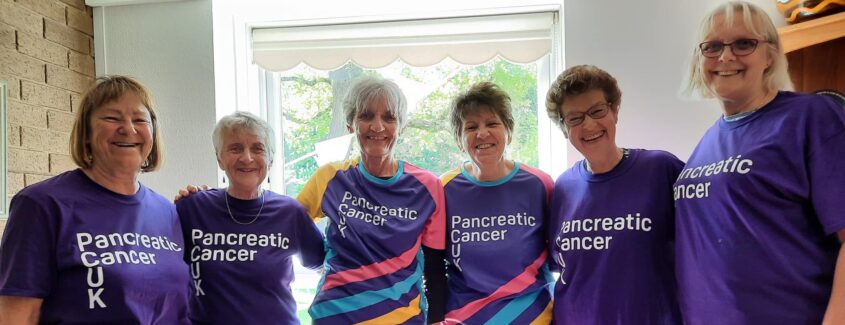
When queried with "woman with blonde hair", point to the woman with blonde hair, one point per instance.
{"points": [[759, 203]]}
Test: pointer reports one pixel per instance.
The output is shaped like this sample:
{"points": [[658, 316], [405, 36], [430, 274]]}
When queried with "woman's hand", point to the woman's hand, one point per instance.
{"points": [[188, 190]]}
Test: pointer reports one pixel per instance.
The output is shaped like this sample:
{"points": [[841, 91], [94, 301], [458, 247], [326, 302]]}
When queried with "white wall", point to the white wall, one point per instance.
{"points": [[168, 47]]}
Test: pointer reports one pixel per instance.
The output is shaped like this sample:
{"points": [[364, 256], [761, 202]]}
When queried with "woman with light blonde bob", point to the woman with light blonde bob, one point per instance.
{"points": [[759, 202]]}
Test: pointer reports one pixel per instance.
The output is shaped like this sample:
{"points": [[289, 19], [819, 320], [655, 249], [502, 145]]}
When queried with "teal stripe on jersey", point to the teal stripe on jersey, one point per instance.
{"points": [[423, 300], [514, 308], [364, 299], [497, 182], [330, 253], [547, 274]]}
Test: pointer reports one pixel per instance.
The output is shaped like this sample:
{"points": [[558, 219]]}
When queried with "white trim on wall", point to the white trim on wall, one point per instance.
{"points": [[108, 3]]}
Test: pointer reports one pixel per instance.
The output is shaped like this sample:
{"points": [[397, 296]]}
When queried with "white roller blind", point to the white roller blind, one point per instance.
{"points": [[520, 38]]}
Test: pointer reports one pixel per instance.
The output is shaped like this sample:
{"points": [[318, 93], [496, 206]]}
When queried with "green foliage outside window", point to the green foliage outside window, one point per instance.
{"points": [[308, 99]]}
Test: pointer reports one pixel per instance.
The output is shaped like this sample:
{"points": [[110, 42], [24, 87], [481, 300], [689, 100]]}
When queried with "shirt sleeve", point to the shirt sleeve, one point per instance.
{"points": [[434, 234], [309, 240], [827, 179], [311, 196], [551, 231], [826, 162], [28, 250]]}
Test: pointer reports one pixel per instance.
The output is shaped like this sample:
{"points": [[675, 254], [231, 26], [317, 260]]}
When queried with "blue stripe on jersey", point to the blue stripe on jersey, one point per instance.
{"points": [[330, 253], [371, 178], [547, 274], [364, 299], [497, 182], [514, 308], [423, 300]]}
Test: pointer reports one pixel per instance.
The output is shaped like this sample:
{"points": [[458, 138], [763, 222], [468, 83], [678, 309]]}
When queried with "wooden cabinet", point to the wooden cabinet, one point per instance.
{"points": [[816, 53]]}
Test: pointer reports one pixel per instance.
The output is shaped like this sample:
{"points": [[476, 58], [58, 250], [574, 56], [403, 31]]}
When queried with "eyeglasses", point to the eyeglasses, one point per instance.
{"points": [[740, 47], [595, 112]]}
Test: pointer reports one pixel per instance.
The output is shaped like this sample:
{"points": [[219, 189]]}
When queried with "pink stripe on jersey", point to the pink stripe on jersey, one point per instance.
{"points": [[434, 234], [545, 178], [516, 285], [374, 270]]}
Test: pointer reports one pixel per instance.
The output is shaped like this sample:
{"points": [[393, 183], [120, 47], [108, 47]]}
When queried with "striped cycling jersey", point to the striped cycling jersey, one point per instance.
{"points": [[497, 255], [374, 265]]}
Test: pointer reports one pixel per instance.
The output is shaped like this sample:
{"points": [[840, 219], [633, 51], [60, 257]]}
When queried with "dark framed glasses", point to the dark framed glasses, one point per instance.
{"points": [[595, 112], [740, 47]]}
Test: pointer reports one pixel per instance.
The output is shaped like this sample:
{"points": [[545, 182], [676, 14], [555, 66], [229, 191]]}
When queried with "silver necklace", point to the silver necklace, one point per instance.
{"points": [[233, 216]]}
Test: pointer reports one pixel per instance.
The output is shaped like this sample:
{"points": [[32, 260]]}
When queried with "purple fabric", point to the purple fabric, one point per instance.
{"points": [[242, 272], [758, 206], [93, 255], [611, 237]]}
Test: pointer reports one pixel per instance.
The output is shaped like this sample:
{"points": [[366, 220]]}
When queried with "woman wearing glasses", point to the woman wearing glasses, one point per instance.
{"points": [[760, 201], [611, 229]]}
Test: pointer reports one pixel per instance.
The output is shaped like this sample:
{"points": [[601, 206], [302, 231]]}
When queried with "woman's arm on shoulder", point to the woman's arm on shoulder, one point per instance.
{"points": [[19, 310], [835, 313]]}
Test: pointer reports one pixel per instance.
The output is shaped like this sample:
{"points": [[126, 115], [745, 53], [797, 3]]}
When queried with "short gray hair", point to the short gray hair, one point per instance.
{"points": [[365, 89], [244, 121], [775, 77]]}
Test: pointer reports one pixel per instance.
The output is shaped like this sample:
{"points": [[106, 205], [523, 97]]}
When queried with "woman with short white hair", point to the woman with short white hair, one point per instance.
{"points": [[240, 240]]}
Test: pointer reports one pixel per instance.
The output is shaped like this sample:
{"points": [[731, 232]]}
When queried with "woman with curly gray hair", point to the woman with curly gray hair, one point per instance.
{"points": [[612, 218]]}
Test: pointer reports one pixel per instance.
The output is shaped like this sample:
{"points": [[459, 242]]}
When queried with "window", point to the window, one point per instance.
{"points": [[306, 70], [313, 127]]}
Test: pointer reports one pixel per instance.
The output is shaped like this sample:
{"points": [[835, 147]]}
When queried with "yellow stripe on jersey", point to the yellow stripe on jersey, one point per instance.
{"points": [[545, 317], [311, 196], [398, 316], [450, 175]]}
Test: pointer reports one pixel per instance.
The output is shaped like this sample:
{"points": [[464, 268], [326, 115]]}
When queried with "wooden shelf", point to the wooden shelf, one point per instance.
{"points": [[809, 33]]}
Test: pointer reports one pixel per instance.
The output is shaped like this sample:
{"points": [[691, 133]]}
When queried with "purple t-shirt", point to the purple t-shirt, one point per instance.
{"points": [[611, 238], [498, 271], [242, 270], [93, 255], [758, 205]]}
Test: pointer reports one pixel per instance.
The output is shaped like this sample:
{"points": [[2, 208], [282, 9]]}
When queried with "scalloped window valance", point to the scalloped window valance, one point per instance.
{"points": [[520, 38]]}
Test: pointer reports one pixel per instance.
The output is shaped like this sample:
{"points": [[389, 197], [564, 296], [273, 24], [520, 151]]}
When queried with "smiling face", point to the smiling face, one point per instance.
{"points": [[376, 129], [592, 137], [121, 135], [734, 78], [484, 136], [243, 157]]}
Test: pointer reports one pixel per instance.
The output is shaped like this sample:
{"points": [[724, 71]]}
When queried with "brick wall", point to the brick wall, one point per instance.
{"points": [[47, 60]]}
